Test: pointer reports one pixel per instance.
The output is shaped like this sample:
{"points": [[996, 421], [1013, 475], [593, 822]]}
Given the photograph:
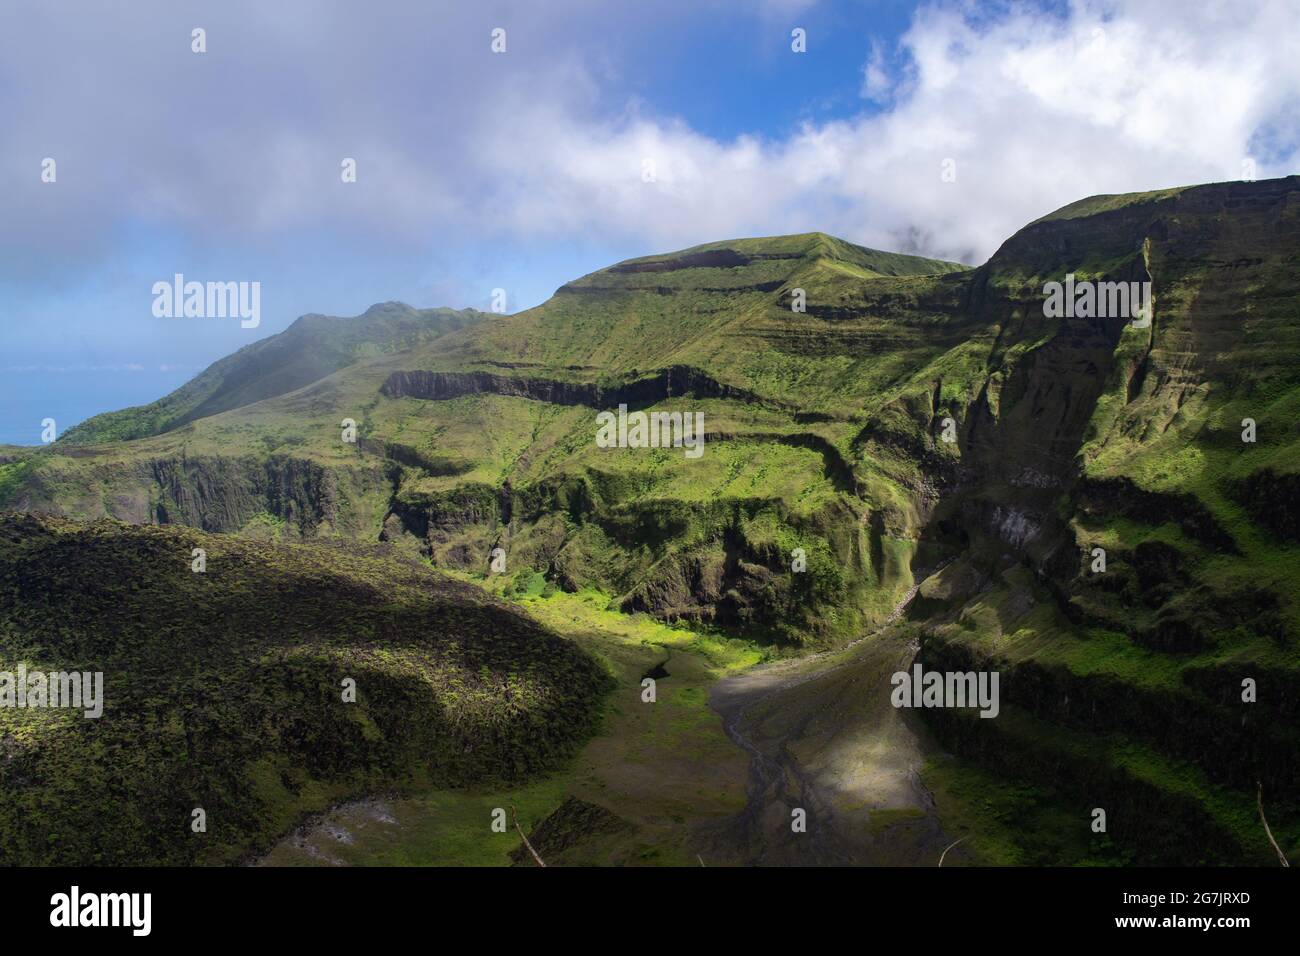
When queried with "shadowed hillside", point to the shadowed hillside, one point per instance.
{"points": [[224, 690]]}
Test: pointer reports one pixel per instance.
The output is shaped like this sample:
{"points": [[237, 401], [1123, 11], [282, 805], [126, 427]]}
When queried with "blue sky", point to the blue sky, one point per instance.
{"points": [[524, 169]]}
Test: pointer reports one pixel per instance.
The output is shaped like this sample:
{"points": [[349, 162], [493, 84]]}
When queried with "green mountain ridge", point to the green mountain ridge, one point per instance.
{"points": [[311, 348]]}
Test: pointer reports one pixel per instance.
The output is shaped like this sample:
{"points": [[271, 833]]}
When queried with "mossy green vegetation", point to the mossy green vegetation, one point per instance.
{"points": [[13, 474], [1005, 821], [661, 774], [225, 690]]}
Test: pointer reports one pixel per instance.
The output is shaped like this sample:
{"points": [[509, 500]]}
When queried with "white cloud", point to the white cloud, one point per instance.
{"points": [[544, 144], [1035, 110], [876, 81]]}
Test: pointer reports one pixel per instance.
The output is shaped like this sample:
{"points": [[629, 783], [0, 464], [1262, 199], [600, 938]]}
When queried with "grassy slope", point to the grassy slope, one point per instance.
{"points": [[666, 770], [313, 347]]}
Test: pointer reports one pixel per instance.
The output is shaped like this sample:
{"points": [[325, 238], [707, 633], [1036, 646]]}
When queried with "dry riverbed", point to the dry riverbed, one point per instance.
{"points": [[708, 774]]}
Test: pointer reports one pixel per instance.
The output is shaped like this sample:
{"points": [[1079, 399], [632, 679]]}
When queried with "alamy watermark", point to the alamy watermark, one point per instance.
{"points": [[1085, 299], [130, 910], [651, 430], [208, 300], [82, 690], [921, 688]]}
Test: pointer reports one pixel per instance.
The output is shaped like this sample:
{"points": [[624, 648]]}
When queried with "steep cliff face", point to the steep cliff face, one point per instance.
{"points": [[1125, 559], [667, 383], [279, 495]]}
